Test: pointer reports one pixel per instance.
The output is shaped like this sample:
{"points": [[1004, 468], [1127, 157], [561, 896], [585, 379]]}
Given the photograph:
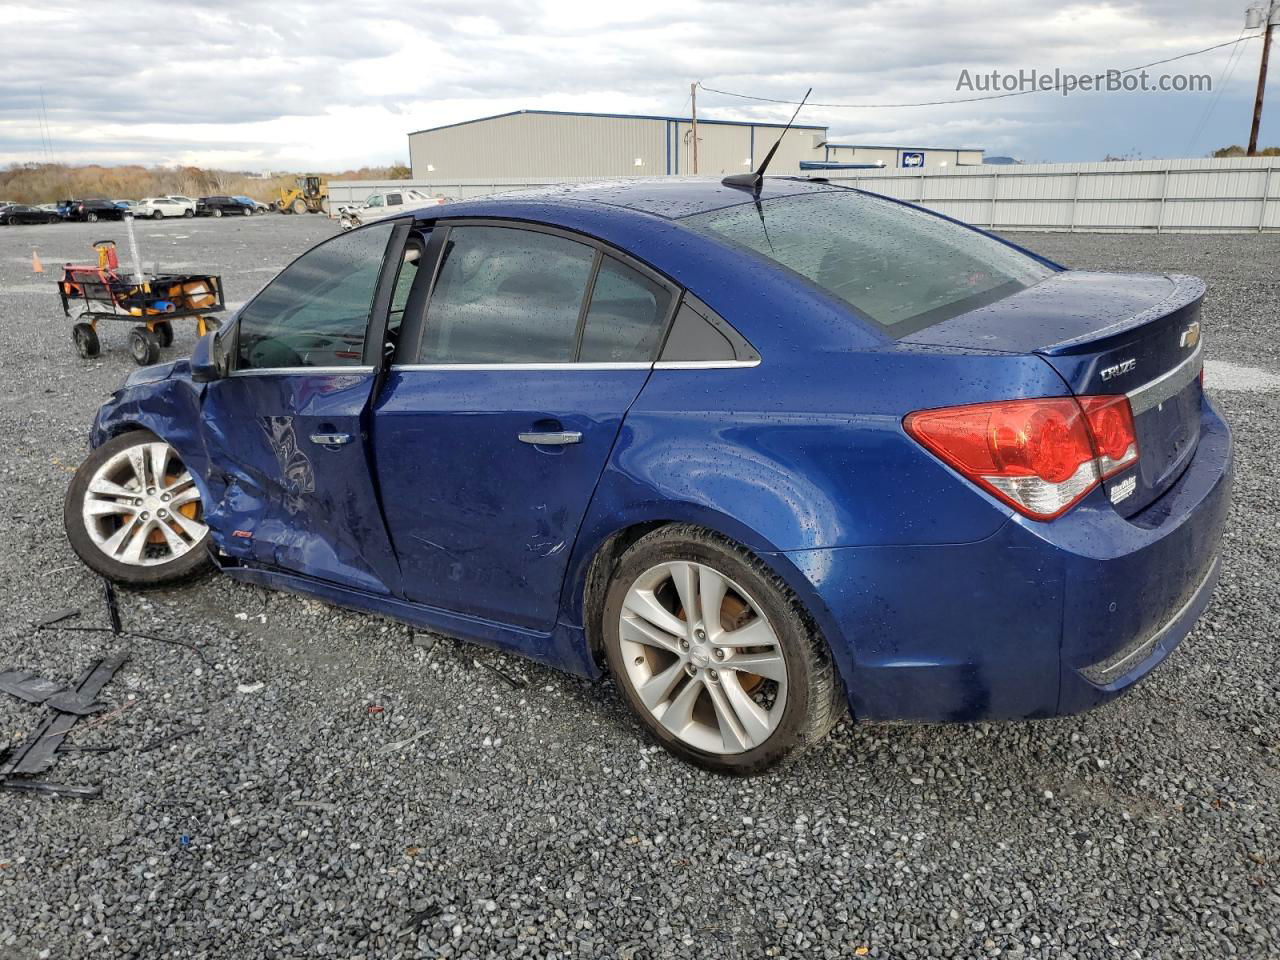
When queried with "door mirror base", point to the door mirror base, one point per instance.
{"points": [[209, 360]]}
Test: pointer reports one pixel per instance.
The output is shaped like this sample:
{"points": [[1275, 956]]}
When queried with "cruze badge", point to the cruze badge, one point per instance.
{"points": [[1190, 336], [1124, 366]]}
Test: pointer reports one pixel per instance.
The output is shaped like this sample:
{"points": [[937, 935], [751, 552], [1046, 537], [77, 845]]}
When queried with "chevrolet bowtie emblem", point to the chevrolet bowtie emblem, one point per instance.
{"points": [[1190, 336]]}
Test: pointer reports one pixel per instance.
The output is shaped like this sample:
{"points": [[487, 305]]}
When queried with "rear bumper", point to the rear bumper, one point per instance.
{"points": [[1034, 621]]}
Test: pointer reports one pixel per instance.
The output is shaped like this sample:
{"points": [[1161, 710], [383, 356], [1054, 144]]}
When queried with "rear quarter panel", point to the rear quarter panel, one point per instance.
{"points": [[803, 452]]}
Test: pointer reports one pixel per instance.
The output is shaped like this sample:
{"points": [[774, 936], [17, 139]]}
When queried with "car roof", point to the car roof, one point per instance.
{"points": [[668, 197], [643, 218]]}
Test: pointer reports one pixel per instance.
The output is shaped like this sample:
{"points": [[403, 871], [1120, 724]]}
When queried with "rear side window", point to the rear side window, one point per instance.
{"points": [[903, 268], [626, 317], [506, 295]]}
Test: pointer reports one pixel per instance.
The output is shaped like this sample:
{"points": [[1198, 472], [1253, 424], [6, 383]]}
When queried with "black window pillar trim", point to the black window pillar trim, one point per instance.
{"points": [[375, 334]]}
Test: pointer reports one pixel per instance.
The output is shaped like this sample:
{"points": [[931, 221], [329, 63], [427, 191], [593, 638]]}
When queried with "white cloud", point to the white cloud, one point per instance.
{"points": [[330, 85]]}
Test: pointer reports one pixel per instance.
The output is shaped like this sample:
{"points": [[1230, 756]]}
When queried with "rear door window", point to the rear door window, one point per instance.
{"points": [[506, 295]]}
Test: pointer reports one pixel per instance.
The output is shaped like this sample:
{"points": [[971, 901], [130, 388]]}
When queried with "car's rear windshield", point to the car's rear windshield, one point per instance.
{"points": [[903, 268]]}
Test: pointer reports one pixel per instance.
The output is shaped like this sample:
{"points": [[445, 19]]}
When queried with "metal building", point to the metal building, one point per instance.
{"points": [[548, 143]]}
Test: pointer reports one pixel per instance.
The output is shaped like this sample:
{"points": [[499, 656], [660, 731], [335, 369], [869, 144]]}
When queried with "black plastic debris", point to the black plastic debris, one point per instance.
{"points": [[35, 754], [27, 686], [113, 608], [70, 702], [58, 617]]}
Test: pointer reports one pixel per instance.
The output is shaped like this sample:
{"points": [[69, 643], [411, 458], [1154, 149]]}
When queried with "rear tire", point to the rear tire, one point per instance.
{"points": [[217, 211], [144, 345], [694, 693], [124, 541], [90, 218], [164, 330], [86, 341]]}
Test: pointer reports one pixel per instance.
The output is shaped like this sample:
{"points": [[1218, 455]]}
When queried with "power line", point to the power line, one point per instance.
{"points": [[990, 96], [1237, 54]]}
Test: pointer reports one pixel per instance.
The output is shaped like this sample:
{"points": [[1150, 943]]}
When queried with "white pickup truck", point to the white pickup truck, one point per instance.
{"points": [[388, 204]]}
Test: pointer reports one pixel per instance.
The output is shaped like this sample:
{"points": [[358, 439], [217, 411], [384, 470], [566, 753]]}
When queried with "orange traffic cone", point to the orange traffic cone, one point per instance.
{"points": [[36, 265]]}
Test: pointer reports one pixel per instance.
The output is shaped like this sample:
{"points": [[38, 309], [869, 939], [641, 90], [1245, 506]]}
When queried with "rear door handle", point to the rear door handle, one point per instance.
{"points": [[551, 438], [331, 440]]}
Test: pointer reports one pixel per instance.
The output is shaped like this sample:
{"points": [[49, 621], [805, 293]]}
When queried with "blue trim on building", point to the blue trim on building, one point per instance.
{"points": [[836, 165], [613, 116], [885, 146]]}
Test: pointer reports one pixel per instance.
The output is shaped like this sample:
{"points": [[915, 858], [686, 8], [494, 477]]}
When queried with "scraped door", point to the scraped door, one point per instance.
{"points": [[288, 427]]}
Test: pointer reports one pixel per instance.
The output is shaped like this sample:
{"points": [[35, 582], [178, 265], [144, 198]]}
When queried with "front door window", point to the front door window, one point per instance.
{"points": [[316, 312]]}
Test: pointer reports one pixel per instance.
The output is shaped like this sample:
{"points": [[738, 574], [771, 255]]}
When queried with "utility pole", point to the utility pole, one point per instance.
{"points": [[693, 99], [1266, 17]]}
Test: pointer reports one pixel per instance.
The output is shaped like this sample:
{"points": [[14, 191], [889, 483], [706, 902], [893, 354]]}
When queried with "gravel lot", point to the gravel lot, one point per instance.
{"points": [[471, 818]]}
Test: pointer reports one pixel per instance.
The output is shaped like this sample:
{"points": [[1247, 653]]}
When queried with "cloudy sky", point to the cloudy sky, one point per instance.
{"points": [[291, 85]]}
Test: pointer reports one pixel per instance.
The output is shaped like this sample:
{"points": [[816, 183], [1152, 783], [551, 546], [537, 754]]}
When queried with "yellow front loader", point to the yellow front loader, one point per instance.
{"points": [[311, 195]]}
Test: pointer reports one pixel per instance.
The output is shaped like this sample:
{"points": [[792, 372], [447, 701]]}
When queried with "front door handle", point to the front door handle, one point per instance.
{"points": [[551, 438], [331, 441]]}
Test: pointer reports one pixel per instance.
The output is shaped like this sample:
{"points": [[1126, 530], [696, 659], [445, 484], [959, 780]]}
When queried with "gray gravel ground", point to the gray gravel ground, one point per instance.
{"points": [[469, 818]]}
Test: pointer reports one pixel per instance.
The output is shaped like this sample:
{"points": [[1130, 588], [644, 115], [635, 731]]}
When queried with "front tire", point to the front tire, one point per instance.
{"points": [[133, 513], [187, 214], [157, 215], [714, 653]]}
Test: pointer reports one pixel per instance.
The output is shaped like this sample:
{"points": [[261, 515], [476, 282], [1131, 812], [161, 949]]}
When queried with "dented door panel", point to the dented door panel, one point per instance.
{"points": [[293, 496]]}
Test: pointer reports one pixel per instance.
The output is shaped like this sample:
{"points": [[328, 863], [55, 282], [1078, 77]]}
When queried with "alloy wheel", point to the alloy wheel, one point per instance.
{"points": [[703, 658], [142, 506]]}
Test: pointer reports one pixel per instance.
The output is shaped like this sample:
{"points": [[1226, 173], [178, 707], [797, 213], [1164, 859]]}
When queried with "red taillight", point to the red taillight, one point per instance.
{"points": [[1111, 423], [1039, 456]]}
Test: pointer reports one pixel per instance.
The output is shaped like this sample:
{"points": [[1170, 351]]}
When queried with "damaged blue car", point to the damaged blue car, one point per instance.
{"points": [[763, 454]]}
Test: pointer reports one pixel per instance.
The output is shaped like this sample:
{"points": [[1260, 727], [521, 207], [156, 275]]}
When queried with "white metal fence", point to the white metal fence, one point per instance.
{"points": [[1236, 195]]}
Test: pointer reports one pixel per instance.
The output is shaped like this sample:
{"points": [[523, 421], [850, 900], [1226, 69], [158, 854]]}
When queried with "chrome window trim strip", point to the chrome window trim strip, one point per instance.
{"points": [[1168, 384], [398, 367], [300, 371], [705, 364]]}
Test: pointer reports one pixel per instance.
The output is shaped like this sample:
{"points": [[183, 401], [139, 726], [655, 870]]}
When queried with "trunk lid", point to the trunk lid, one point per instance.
{"points": [[1108, 333]]}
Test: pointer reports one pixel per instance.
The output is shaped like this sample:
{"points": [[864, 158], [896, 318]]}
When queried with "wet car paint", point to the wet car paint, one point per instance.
{"points": [[938, 602]]}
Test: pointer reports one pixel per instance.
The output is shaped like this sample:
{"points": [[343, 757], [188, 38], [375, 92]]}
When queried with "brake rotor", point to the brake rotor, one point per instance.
{"points": [[734, 614]]}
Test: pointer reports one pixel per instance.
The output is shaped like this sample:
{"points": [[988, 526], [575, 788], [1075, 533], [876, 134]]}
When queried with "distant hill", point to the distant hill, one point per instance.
{"points": [[48, 182]]}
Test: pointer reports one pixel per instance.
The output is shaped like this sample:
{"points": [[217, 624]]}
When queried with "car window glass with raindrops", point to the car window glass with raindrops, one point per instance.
{"points": [[905, 269], [506, 295], [315, 313], [626, 317]]}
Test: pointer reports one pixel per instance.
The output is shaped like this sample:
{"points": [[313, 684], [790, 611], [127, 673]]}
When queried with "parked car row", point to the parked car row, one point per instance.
{"points": [[93, 209]]}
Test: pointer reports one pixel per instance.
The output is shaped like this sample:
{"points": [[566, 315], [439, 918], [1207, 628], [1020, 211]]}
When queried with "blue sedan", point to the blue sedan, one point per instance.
{"points": [[763, 456]]}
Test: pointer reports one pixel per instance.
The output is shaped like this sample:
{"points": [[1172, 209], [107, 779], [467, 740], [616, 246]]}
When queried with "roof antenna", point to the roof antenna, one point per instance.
{"points": [[754, 181]]}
